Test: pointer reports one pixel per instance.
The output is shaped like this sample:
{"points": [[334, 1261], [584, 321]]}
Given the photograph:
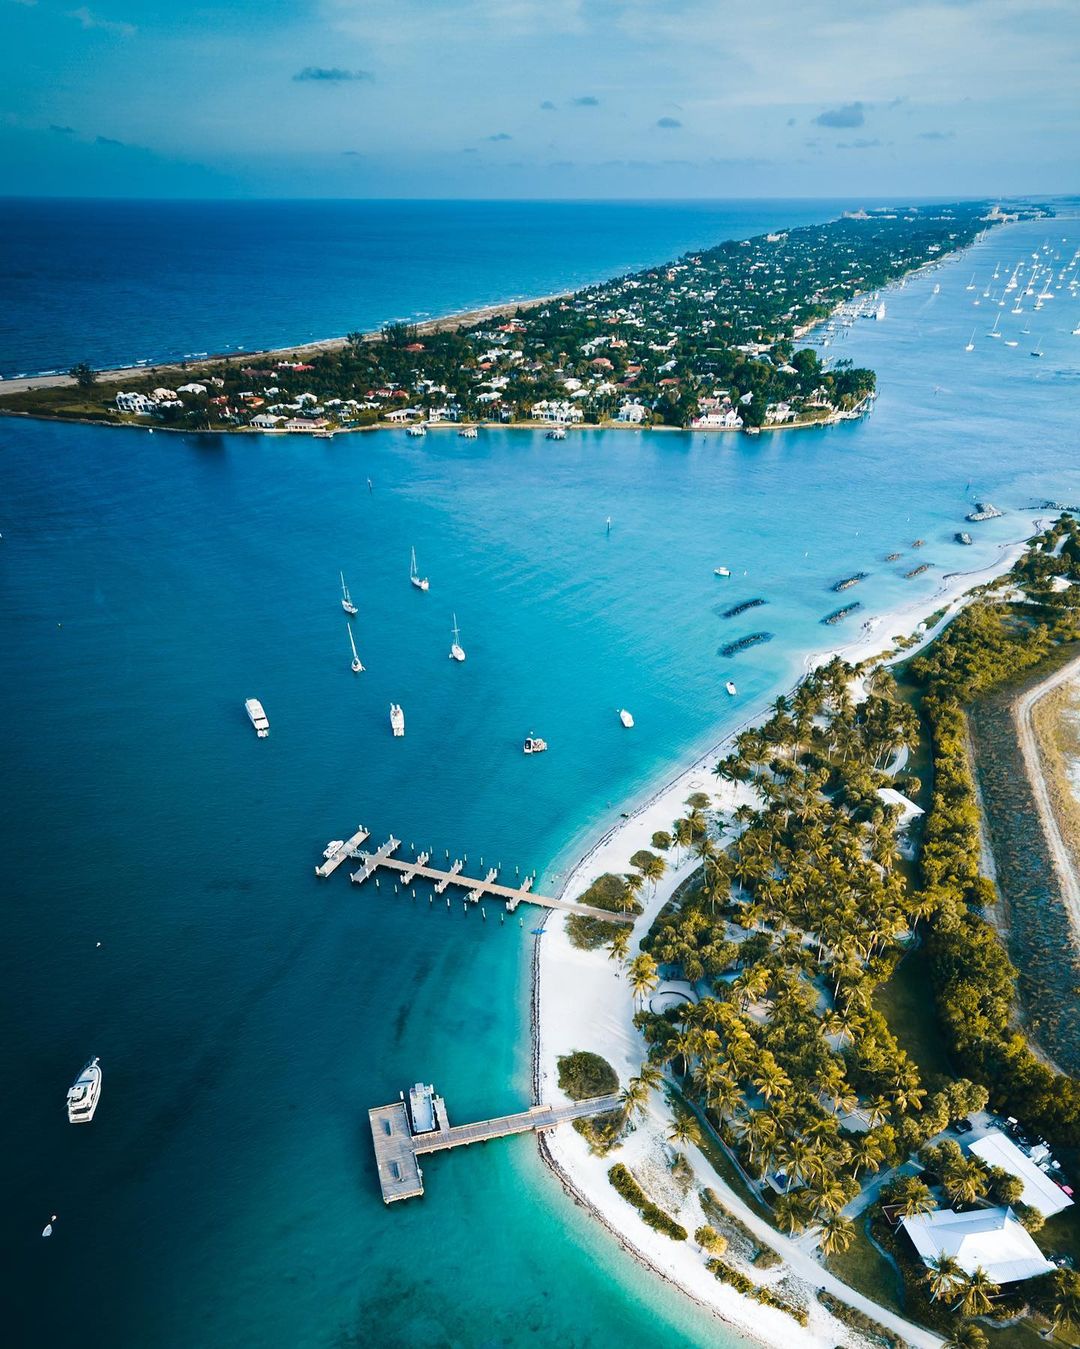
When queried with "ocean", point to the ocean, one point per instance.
{"points": [[246, 1014]]}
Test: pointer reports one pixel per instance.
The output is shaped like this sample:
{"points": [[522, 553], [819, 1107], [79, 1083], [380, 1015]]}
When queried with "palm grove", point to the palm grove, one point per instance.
{"points": [[799, 914]]}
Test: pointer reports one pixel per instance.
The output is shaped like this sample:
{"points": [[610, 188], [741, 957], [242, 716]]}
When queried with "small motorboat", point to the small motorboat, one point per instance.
{"points": [[721, 571], [335, 845], [397, 719], [47, 1230], [730, 686], [625, 717], [534, 745]]}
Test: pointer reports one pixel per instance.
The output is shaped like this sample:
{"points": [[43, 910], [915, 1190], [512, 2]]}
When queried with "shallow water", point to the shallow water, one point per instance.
{"points": [[247, 1015]]}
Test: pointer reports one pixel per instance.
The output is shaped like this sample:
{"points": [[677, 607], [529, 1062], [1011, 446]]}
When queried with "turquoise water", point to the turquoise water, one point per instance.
{"points": [[247, 1015]]}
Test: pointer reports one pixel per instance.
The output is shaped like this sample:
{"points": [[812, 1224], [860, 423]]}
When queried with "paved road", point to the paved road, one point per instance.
{"points": [[1059, 853]]}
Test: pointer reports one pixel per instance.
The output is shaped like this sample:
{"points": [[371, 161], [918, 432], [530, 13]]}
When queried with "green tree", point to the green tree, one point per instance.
{"points": [[84, 375]]}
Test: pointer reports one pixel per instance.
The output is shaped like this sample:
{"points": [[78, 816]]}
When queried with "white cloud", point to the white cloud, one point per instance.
{"points": [[90, 20]]}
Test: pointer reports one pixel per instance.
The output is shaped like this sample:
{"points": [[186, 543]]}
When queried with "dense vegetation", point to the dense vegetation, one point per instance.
{"points": [[651, 1213], [617, 894], [583, 1075], [714, 331]]}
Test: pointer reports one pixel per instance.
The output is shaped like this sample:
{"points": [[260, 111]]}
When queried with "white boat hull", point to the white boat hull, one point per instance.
{"points": [[83, 1097]]}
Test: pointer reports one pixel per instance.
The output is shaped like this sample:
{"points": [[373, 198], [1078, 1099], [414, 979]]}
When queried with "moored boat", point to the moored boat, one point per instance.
{"points": [[730, 686], [257, 717], [346, 598], [457, 651], [83, 1097], [420, 582], [557, 433], [334, 846], [397, 719], [468, 433]]}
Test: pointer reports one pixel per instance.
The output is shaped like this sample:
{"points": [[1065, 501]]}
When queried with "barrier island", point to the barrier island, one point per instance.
{"points": [[707, 341]]}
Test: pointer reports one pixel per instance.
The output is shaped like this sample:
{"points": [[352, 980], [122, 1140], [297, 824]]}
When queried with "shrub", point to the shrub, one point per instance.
{"points": [[583, 1075], [651, 1213], [662, 840], [859, 1321], [726, 1273], [709, 1238], [606, 892]]}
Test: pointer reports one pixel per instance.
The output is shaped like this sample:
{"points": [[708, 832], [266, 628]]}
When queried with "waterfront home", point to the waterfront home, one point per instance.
{"points": [[306, 424], [990, 1239], [138, 403], [555, 410], [720, 419], [192, 388], [1041, 1191], [265, 421], [403, 414], [631, 412]]}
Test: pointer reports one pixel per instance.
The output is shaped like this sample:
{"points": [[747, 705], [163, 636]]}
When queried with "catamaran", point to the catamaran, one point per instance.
{"points": [[457, 651], [83, 1097], [357, 668], [346, 598], [420, 582]]}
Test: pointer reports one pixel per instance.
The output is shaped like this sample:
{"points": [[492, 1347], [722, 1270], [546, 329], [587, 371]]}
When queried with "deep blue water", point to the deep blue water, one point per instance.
{"points": [[114, 282], [247, 1015]]}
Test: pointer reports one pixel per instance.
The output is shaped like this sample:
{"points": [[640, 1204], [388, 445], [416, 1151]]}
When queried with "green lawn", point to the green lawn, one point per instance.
{"points": [[907, 1003], [864, 1268]]}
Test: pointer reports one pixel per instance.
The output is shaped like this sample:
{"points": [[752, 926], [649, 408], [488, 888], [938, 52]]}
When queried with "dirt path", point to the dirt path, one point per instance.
{"points": [[1029, 748]]}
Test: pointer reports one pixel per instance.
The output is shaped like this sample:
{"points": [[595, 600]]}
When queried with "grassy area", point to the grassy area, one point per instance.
{"points": [[907, 1003], [864, 1268], [718, 1159]]}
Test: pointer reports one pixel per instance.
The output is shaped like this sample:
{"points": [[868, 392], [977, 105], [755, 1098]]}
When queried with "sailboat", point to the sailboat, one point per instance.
{"points": [[994, 330], [357, 668], [971, 284], [971, 345], [346, 598], [1038, 349], [420, 582], [457, 651]]}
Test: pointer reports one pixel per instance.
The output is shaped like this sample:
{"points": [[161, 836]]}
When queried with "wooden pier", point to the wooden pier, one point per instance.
{"points": [[476, 889], [397, 1147]]}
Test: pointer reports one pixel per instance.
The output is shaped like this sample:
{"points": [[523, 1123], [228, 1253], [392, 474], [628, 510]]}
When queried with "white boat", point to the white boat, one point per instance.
{"points": [[357, 668], [557, 433], [420, 582], [879, 312], [1038, 349], [468, 432], [534, 745], [1011, 342], [730, 686], [334, 846], [937, 288], [397, 719], [625, 717], [971, 284], [416, 430], [83, 1097], [721, 571], [257, 717], [971, 345], [457, 651], [346, 598]]}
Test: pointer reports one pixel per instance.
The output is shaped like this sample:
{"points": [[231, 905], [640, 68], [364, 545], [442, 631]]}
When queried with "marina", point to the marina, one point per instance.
{"points": [[399, 1141]]}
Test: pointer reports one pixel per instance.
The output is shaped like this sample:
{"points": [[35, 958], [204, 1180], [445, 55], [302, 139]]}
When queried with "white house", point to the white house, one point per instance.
{"points": [[909, 811], [1040, 1189], [192, 388], [991, 1239], [552, 410], [718, 420], [265, 422], [632, 412], [138, 403]]}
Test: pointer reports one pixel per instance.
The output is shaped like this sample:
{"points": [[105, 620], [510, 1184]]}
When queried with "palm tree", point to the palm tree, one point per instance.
{"points": [[651, 1074], [943, 1276], [964, 1181], [684, 1130], [1066, 1306], [634, 1096], [643, 975], [620, 944], [979, 1293], [653, 870], [791, 1214], [837, 1234], [967, 1335]]}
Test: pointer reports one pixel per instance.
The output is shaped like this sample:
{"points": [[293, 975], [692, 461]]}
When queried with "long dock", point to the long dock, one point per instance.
{"points": [[475, 888], [397, 1147]]}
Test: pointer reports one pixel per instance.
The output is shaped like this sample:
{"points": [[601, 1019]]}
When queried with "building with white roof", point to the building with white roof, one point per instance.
{"points": [[991, 1239], [1040, 1190]]}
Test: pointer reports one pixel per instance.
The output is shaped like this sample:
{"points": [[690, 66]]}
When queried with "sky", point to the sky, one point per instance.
{"points": [[540, 98]]}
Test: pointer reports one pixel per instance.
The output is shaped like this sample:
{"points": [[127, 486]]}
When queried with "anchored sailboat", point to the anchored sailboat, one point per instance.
{"points": [[420, 582], [357, 668], [346, 598], [971, 345], [457, 651]]}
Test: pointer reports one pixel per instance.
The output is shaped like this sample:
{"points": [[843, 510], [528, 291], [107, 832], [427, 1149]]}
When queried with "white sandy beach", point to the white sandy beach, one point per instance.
{"points": [[581, 1002]]}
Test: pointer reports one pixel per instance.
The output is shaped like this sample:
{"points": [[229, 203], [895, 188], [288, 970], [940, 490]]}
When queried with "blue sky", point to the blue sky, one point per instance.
{"points": [[540, 98]]}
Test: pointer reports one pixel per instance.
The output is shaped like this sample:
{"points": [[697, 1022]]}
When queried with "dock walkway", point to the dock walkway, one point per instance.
{"points": [[476, 889], [350, 848], [397, 1147]]}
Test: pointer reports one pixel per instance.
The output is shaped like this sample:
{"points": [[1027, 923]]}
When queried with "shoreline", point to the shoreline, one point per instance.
{"points": [[578, 1001]]}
